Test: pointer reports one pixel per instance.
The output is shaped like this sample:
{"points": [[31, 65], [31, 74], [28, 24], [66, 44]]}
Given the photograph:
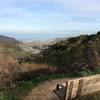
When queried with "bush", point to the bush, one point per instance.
{"points": [[97, 71], [86, 72], [9, 69]]}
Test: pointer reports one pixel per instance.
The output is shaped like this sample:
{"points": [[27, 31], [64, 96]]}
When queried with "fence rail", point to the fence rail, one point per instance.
{"points": [[78, 87]]}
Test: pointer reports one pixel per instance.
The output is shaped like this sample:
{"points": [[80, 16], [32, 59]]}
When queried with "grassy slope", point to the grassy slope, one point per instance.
{"points": [[9, 46]]}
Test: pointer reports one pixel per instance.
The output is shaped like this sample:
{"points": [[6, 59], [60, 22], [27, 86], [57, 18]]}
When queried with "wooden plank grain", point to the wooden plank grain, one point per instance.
{"points": [[80, 85], [70, 90]]}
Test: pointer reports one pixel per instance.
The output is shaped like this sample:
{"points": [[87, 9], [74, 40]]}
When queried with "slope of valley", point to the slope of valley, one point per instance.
{"points": [[76, 53], [10, 45]]}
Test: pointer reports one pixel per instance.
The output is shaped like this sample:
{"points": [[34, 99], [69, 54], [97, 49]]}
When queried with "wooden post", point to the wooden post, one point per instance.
{"points": [[66, 95], [80, 85], [70, 90]]}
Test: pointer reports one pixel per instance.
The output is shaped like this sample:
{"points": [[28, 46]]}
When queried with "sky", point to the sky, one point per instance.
{"points": [[20, 17]]}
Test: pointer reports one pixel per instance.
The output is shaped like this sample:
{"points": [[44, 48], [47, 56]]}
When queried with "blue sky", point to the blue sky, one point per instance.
{"points": [[49, 16]]}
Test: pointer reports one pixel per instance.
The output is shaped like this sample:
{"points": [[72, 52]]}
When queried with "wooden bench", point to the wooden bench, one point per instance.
{"points": [[78, 87], [65, 92]]}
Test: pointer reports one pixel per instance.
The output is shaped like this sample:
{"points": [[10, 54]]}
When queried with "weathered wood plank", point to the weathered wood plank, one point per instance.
{"points": [[70, 90], [66, 95], [80, 86]]}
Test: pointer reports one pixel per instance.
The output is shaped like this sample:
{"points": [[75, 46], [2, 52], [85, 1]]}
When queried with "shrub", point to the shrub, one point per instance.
{"points": [[9, 69], [97, 71], [86, 72]]}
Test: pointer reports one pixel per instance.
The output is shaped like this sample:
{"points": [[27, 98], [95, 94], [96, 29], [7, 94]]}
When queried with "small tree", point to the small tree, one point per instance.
{"points": [[98, 33]]}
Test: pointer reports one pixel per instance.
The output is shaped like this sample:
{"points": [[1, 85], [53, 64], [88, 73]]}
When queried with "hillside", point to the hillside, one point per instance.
{"points": [[9, 45], [76, 53]]}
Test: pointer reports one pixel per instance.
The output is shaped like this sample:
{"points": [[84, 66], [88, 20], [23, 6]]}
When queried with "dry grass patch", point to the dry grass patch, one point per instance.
{"points": [[9, 68], [33, 67]]}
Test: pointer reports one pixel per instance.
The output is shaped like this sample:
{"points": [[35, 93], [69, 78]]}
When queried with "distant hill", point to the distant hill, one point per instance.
{"points": [[5, 38], [76, 53], [9, 45]]}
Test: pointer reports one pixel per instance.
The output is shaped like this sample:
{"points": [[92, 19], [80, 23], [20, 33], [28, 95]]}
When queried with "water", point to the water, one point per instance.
{"points": [[43, 36]]}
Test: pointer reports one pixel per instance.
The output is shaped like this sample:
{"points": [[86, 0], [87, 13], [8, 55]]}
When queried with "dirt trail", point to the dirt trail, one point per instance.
{"points": [[45, 90]]}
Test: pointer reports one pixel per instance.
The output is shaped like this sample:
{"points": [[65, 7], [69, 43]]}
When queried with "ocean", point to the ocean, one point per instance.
{"points": [[42, 36]]}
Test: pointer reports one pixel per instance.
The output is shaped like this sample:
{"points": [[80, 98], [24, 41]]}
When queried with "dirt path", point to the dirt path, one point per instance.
{"points": [[45, 90]]}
